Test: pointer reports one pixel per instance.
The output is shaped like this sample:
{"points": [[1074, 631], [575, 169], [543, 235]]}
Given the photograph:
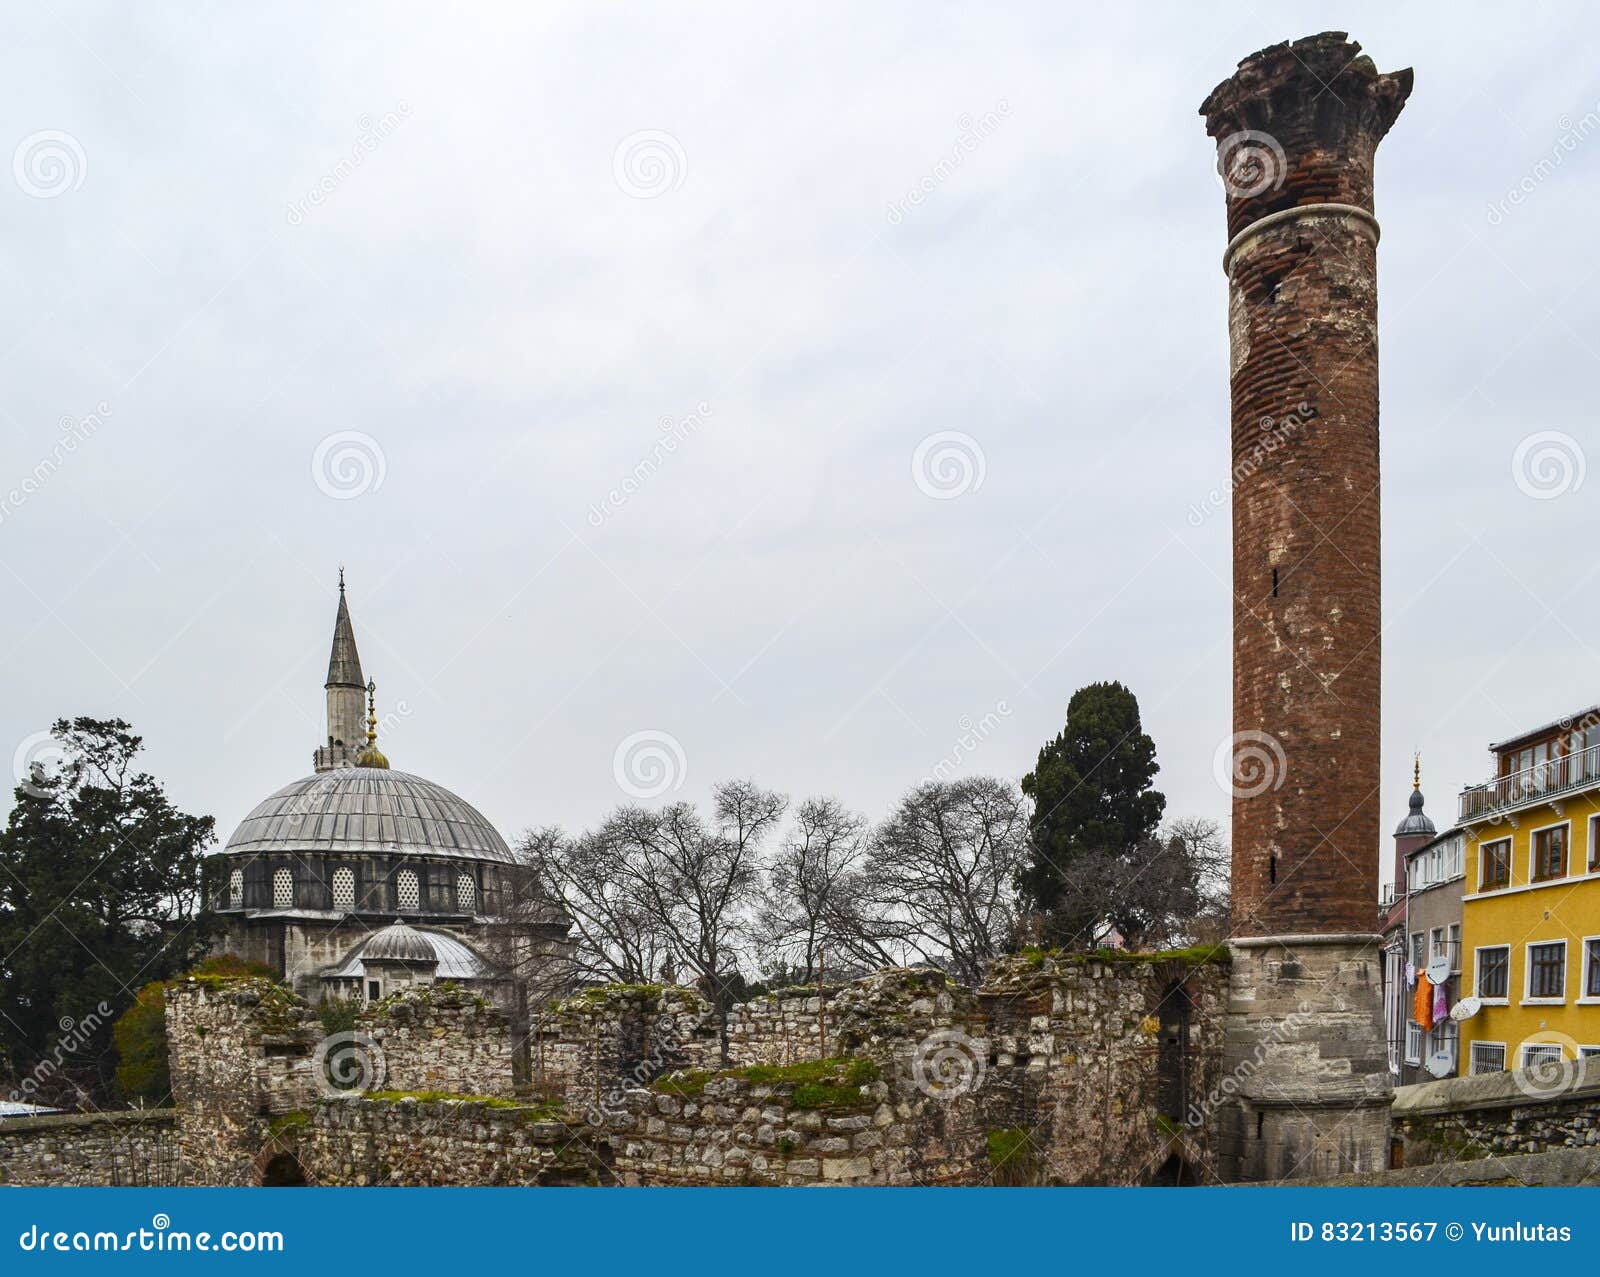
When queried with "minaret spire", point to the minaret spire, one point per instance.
{"points": [[345, 688], [372, 756]]}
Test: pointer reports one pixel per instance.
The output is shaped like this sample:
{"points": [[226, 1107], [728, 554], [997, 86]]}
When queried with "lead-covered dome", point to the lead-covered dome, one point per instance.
{"points": [[367, 810]]}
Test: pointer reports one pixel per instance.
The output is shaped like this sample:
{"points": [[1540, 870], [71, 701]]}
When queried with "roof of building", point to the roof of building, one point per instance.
{"points": [[366, 810], [421, 946], [1416, 821], [344, 662], [1562, 724]]}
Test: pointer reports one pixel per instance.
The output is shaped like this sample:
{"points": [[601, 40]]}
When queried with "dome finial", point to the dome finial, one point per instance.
{"points": [[1416, 770], [341, 578], [372, 756]]}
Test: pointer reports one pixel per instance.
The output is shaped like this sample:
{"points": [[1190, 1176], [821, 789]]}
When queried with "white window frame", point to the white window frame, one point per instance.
{"points": [[1477, 976], [1435, 944], [1446, 1033], [1583, 999], [1588, 1052], [1414, 1038], [1528, 1000], [1524, 1062], [1472, 1054], [1589, 859], [1452, 940], [1418, 949], [1567, 869]]}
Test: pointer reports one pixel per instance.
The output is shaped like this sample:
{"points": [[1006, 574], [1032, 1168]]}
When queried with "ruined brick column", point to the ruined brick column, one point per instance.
{"points": [[1297, 126]]}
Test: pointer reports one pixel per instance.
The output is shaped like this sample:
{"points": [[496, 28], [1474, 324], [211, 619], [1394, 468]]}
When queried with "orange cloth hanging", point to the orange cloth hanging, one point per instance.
{"points": [[1422, 1003]]}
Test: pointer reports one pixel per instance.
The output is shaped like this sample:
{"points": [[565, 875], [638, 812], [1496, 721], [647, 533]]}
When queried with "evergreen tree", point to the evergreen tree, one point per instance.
{"points": [[100, 893], [1093, 797]]}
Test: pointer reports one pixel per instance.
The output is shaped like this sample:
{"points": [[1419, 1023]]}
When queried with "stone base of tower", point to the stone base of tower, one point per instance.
{"points": [[1305, 1060]]}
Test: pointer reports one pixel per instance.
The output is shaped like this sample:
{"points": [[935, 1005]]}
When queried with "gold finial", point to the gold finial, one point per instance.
{"points": [[372, 756], [1416, 770], [341, 578]]}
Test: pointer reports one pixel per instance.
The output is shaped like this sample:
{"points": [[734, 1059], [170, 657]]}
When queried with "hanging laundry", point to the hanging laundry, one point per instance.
{"points": [[1411, 975], [1422, 1004], [1441, 1002]]}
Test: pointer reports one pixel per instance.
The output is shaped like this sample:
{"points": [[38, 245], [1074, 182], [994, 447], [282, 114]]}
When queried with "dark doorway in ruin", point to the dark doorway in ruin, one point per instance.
{"points": [[1172, 1055], [1175, 1173], [283, 1171]]}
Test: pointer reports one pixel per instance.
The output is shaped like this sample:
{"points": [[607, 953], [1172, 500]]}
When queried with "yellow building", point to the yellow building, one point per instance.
{"points": [[1531, 910]]}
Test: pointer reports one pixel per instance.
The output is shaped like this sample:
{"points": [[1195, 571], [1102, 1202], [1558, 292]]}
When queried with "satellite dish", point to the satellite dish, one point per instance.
{"points": [[1466, 1008], [1438, 970], [1441, 1063]]}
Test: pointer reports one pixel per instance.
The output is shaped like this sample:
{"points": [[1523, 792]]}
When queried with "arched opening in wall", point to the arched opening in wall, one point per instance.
{"points": [[1175, 1173], [1172, 1055], [283, 1171]]}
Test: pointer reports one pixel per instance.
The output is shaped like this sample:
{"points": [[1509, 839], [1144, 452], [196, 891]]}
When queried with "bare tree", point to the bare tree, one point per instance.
{"points": [[939, 882], [1171, 889], [813, 889], [616, 939], [697, 883]]}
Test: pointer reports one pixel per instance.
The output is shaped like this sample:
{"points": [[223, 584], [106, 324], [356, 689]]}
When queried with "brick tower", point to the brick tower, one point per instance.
{"points": [[1296, 128]]}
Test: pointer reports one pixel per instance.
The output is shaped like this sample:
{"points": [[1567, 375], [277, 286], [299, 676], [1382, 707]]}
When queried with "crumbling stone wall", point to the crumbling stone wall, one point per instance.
{"points": [[833, 1122], [407, 1141], [137, 1147], [1497, 1114], [240, 1051], [436, 1038]]}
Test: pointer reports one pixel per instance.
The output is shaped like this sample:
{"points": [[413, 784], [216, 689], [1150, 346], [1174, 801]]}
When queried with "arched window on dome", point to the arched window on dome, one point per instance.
{"points": [[344, 888], [466, 893], [406, 894], [283, 889], [236, 889]]}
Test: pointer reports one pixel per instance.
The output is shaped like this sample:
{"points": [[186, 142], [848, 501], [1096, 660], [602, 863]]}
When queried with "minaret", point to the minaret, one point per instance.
{"points": [[346, 693], [1296, 128]]}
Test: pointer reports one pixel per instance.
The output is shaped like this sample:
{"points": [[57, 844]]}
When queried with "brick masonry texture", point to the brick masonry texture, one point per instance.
{"points": [[1303, 319]]}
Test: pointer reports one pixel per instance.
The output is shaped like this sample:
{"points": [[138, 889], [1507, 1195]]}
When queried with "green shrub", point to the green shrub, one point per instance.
{"points": [[140, 1033]]}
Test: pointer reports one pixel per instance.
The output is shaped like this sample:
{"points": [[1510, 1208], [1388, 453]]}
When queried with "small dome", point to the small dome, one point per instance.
{"points": [[399, 943], [1416, 821]]}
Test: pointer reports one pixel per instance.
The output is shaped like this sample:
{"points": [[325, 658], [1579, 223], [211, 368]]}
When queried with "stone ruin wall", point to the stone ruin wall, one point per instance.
{"points": [[136, 1148], [1048, 1074], [1498, 1115]]}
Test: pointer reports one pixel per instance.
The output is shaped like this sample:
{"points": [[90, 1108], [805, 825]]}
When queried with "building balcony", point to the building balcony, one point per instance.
{"points": [[1542, 783]]}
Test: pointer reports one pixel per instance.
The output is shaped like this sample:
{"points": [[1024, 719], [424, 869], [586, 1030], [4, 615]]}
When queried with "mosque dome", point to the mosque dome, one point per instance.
{"points": [[355, 811]]}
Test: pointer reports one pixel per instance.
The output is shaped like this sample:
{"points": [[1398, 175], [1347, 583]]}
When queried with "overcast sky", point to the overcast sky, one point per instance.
{"points": [[569, 225]]}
